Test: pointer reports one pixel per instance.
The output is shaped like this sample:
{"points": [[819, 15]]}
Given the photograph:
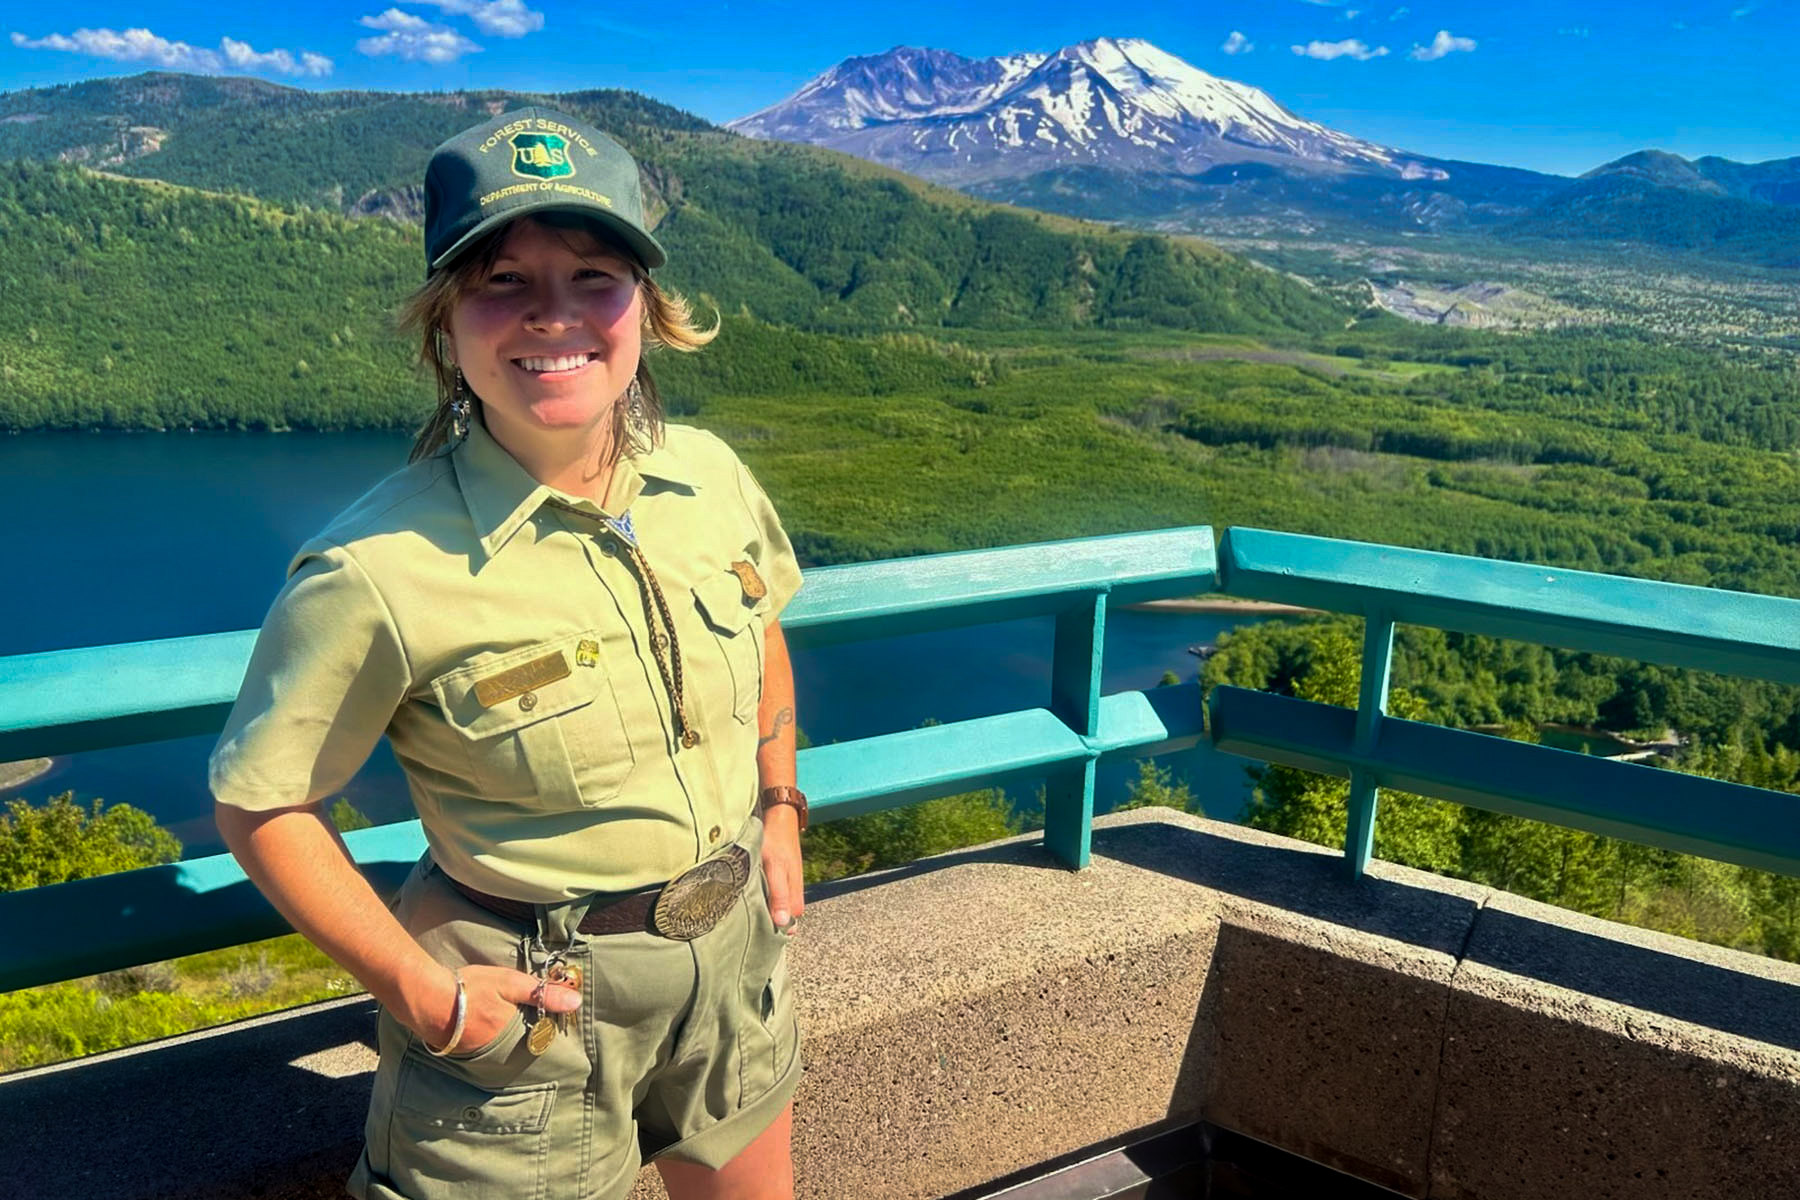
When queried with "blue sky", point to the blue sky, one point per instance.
{"points": [[1552, 86]]}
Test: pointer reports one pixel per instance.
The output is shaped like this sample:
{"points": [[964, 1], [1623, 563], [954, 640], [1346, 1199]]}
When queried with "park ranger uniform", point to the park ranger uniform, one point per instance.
{"points": [[572, 690]]}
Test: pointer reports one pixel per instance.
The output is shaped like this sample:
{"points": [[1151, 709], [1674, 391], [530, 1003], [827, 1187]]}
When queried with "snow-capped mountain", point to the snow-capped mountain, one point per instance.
{"points": [[1111, 102]]}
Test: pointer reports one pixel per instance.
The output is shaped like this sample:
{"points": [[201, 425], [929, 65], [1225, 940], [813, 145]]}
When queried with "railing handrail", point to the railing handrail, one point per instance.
{"points": [[1674, 624], [1735, 633]]}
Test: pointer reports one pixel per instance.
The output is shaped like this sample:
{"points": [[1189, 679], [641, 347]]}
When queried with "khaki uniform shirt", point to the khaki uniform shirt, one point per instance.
{"points": [[497, 632]]}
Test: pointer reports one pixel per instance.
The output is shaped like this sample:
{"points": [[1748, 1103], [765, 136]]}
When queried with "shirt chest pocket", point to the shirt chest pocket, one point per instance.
{"points": [[541, 724], [737, 630]]}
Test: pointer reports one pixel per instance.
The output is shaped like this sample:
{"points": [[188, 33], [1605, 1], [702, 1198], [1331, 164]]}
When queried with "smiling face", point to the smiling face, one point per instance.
{"points": [[548, 338]]}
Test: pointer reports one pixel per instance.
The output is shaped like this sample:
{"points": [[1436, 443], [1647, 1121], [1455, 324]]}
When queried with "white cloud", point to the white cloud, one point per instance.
{"points": [[244, 58], [1444, 43], [414, 39], [134, 45], [1237, 43], [1578, 31], [1350, 14], [1348, 48], [502, 18], [1744, 10], [140, 45], [1398, 13]]}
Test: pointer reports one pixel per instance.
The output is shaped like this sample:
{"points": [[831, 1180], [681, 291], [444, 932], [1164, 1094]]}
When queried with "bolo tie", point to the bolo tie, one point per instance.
{"points": [[665, 646]]}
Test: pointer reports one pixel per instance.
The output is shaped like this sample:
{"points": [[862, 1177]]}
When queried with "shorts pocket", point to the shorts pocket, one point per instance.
{"points": [[737, 629], [489, 1141], [768, 1034], [541, 724]]}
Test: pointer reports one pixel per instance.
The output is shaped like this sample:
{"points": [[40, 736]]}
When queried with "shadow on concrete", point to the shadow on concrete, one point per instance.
{"points": [[1686, 989], [1702, 993], [1328, 1055], [218, 1114]]}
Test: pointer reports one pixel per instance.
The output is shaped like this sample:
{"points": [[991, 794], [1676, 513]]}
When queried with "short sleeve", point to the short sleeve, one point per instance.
{"points": [[327, 673], [779, 568]]}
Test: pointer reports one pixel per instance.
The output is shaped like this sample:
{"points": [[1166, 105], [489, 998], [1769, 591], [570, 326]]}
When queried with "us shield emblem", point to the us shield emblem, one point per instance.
{"points": [[541, 156]]}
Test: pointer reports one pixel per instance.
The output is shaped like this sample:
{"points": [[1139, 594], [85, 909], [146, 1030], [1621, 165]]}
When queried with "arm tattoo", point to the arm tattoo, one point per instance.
{"points": [[784, 717]]}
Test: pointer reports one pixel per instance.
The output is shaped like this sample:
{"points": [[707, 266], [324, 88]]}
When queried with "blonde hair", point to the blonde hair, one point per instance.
{"points": [[668, 322]]}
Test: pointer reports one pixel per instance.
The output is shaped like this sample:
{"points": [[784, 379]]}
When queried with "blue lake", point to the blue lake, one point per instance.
{"points": [[121, 538]]}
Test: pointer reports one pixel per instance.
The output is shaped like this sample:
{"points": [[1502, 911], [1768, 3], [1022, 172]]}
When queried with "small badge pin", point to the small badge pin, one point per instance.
{"points": [[587, 653], [754, 587]]}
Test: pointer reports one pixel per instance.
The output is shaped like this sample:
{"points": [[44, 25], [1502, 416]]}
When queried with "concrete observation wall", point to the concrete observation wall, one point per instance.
{"points": [[971, 1015]]}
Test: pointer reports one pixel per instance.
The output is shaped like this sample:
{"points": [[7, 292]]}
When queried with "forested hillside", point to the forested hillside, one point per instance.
{"points": [[1635, 209], [144, 306]]}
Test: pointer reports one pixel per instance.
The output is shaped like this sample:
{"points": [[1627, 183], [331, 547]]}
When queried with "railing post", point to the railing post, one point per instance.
{"points": [[1371, 707], [1075, 697]]}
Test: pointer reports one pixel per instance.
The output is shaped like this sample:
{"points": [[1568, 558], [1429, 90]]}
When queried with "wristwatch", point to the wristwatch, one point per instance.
{"points": [[793, 797]]}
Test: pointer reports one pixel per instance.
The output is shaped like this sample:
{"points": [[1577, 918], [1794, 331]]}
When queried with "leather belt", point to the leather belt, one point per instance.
{"points": [[682, 909]]}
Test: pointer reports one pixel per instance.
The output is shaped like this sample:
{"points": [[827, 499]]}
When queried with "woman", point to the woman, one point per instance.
{"points": [[563, 615]]}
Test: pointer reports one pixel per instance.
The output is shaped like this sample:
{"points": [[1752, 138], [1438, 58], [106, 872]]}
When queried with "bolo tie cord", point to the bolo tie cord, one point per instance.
{"points": [[665, 645], [670, 666]]}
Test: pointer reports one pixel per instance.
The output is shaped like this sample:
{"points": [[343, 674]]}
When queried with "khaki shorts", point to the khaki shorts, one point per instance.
{"points": [[687, 1050]]}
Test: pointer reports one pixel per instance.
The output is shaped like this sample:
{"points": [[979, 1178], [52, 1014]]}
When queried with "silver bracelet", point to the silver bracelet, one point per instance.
{"points": [[456, 1023]]}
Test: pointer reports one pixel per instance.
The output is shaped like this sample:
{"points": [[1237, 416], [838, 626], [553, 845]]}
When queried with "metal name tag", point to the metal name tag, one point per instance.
{"points": [[523, 678]]}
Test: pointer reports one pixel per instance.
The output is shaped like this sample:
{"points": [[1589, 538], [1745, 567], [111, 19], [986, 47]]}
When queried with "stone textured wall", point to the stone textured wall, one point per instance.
{"points": [[976, 1014]]}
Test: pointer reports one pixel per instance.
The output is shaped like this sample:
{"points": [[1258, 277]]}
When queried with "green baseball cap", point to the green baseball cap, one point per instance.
{"points": [[526, 161]]}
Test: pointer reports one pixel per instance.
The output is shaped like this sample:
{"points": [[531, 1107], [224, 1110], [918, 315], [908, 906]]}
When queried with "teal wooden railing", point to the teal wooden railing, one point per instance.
{"points": [[73, 700], [1729, 632]]}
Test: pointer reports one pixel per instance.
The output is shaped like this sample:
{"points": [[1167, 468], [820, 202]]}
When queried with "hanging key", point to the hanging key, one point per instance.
{"points": [[564, 975]]}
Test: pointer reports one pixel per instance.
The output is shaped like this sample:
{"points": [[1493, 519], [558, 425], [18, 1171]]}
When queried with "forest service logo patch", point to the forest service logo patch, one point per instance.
{"points": [[541, 156]]}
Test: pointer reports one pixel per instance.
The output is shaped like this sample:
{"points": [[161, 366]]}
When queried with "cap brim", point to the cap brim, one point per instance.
{"points": [[648, 250]]}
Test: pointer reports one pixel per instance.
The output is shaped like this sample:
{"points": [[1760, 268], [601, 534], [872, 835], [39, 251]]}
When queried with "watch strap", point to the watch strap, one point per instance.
{"points": [[793, 797]]}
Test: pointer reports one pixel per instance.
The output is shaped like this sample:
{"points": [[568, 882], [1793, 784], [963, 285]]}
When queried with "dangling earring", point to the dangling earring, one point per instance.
{"points": [[634, 404], [459, 410]]}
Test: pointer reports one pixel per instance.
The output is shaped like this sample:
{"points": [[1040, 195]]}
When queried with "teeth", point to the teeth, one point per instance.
{"points": [[567, 362]]}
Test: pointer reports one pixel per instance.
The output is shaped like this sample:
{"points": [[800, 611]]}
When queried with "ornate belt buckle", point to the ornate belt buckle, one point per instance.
{"points": [[692, 902]]}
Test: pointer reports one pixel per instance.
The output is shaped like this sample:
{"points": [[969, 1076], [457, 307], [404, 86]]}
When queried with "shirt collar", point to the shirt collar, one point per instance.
{"points": [[501, 495]]}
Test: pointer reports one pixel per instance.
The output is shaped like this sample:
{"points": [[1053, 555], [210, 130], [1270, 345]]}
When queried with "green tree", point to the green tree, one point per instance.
{"points": [[347, 817], [61, 840], [1409, 829], [1155, 787]]}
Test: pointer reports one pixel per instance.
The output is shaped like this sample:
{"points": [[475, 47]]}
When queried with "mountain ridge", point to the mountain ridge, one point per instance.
{"points": [[1115, 129], [1118, 101]]}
